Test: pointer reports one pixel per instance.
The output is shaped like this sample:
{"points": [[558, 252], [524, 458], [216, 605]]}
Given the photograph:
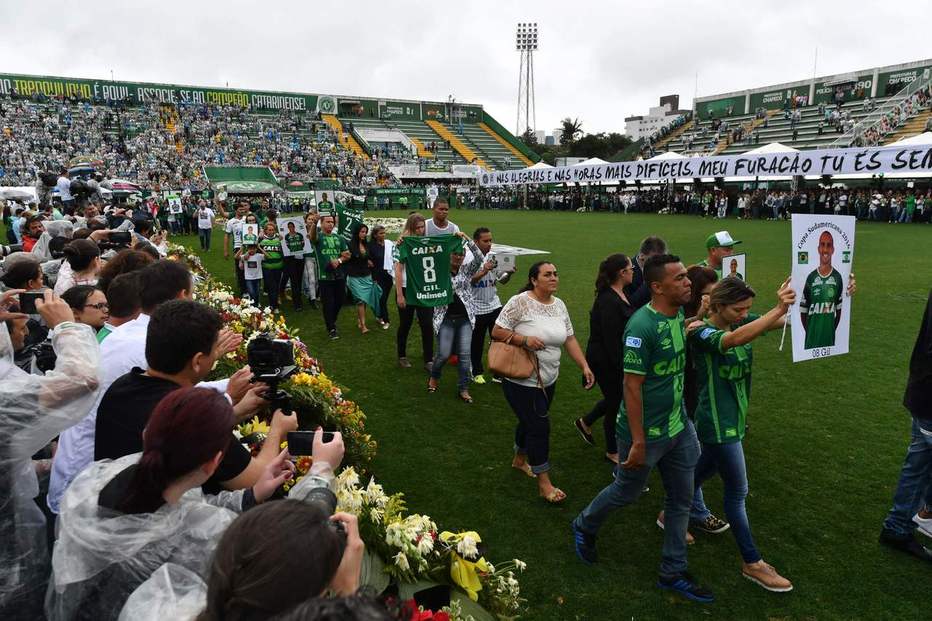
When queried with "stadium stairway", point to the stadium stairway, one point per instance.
{"points": [[912, 127], [344, 137], [486, 148], [465, 152], [749, 128], [373, 123], [509, 148], [419, 132]]}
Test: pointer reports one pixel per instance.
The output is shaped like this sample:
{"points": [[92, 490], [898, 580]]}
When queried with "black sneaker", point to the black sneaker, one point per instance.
{"points": [[906, 544], [333, 335], [313, 304], [711, 525], [585, 545], [686, 585], [586, 436]]}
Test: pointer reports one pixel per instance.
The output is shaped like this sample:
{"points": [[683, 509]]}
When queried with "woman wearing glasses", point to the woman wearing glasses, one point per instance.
{"points": [[89, 305]]}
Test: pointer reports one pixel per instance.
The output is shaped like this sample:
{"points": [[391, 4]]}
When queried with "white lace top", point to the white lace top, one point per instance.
{"points": [[548, 322]]}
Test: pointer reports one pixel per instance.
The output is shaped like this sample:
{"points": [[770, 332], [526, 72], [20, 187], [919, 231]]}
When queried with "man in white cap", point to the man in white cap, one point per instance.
{"points": [[718, 245]]}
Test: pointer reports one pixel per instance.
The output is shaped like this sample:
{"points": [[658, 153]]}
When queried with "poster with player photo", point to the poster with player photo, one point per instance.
{"points": [[735, 265], [295, 241], [250, 234], [823, 252], [324, 201]]}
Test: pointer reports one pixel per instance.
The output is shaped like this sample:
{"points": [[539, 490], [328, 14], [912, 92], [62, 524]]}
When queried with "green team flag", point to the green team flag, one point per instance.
{"points": [[348, 222], [427, 268]]}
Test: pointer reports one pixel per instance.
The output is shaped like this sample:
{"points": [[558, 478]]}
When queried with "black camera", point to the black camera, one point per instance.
{"points": [[272, 362], [117, 240]]}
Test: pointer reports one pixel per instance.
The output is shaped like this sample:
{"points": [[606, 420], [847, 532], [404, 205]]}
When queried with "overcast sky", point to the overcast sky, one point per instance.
{"points": [[599, 61]]}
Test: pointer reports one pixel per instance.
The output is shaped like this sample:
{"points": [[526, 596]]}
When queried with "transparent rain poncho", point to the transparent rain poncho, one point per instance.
{"points": [[101, 556], [33, 410]]}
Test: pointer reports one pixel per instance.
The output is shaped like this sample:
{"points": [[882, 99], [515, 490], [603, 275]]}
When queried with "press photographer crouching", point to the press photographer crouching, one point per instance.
{"points": [[33, 410]]}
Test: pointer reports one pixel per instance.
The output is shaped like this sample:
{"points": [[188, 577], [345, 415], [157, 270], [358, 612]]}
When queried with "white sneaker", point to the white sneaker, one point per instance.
{"points": [[924, 525]]}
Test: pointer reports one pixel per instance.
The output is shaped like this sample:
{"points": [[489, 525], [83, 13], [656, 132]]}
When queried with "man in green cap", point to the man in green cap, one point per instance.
{"points": [[718, 245]]}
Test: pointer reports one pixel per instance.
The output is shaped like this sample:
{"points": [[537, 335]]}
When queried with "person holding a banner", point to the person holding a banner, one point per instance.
{"points": [[722, 354]]}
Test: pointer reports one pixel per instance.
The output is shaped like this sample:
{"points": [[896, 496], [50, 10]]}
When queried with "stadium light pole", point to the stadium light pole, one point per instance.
{"points": [[526, 43]]}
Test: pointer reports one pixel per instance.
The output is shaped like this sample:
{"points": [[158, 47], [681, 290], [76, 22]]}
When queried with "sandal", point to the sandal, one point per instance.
{"points": [[430, 388], [465, 397], [526, 469], [555, 497]]}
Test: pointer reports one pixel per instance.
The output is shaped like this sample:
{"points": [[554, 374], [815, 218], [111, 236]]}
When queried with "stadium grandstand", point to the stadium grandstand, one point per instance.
{"points": [[166, 134], [868, 107]]}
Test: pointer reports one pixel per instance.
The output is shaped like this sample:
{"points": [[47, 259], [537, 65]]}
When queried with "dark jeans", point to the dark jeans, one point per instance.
{"points": [[914, 489], [331, 297], [384, 281], [425, 318], [271, 277], [484, 323], [251, 289], [532, 435], [610, 383], [204, 235], [240, 275], [294, 272], [728, 461], [676, 460]]}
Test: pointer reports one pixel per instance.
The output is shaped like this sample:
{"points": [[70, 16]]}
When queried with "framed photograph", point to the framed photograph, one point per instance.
{"points": [[295, 241], [250, 234], [735, 265]]}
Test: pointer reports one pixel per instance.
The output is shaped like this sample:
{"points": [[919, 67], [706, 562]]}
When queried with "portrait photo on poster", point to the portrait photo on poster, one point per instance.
{"points": [[295, 241], [250, 234], [822, 256], [735, 265], [324, 202]]}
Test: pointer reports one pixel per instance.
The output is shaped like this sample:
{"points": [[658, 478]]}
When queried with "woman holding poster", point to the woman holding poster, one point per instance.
{"points": [[722, 355]]}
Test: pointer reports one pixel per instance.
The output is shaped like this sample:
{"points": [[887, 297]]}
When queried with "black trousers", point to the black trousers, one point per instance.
{"points": [[610, 383], [484, 324], [240, 275], [385, 282], [331, 296], [293, 272], [425, 318]]}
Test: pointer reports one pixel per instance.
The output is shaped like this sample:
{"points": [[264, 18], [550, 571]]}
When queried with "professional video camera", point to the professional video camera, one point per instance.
{"points": [[116, 240], [272, 362]]}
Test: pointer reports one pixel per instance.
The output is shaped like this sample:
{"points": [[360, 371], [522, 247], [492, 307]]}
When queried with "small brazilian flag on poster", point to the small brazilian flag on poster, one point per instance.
{"points": [[802, 257]]}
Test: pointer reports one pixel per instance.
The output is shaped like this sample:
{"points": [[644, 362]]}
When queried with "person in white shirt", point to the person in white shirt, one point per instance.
{"points": [[438, 224], [64, 192], [205, 223], [234, 230], [120, 352], [487, 303]]}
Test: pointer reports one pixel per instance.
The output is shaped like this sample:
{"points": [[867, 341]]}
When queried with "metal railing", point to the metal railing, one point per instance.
{"points": [[873, 119]]}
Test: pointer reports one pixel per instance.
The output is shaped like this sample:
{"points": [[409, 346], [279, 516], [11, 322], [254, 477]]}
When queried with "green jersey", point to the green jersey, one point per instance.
{"points": [[723, 381], [427, 268], [103, 333], [295, 242], [272, 250], [348, 222], [655, 347], [718, 270], [821, 302], [329, 248]]}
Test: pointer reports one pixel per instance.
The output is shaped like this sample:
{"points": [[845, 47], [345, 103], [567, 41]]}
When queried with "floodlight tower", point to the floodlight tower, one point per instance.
{"points": [[526, 44]]}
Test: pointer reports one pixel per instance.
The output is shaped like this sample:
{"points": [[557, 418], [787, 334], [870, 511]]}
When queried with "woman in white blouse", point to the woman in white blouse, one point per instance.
{"points": [[538, 320]]}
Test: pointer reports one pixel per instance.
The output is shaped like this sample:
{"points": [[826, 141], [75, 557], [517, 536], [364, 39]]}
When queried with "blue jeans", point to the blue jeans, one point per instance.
{"points": [[252, 290], [454, 336], [204, 235], [728, 461], [676, 460], [531, 406], [915, 486]]}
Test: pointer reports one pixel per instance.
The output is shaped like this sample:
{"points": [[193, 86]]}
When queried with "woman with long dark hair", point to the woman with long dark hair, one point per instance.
{"points": [[538, 321], [120, 520], [359, 278], [379, 274], [607, 320]]}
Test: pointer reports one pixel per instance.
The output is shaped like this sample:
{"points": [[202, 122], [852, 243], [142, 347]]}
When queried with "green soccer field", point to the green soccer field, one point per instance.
{"points": [[824, 449]]}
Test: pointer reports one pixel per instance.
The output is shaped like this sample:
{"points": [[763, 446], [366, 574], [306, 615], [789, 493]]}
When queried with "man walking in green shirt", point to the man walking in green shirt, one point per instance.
{"points": [[332, 252], [652, 427]]}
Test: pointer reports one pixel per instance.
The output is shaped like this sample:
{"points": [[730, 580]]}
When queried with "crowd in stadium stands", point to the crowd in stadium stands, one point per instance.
{"points": [[168, 145], [909, 205], [648, 149], [892, 120]]}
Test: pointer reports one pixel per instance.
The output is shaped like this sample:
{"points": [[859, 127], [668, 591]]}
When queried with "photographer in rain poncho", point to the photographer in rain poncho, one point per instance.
{"points": [[33, 410], [122, 519]]}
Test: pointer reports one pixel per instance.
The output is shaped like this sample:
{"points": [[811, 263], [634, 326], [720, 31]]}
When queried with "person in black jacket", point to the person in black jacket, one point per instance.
{"points": [[912, 502], [607, 320], [637, 291]]}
